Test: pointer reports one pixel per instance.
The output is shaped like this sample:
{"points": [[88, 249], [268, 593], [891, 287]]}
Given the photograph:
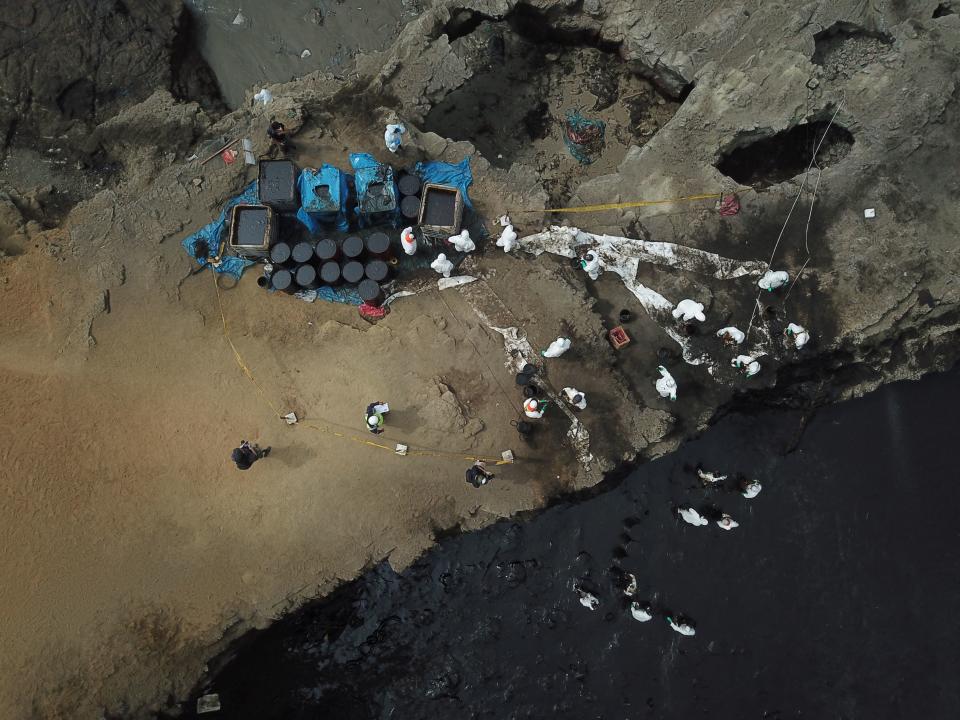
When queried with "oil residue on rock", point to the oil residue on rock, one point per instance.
{"points": [[834, 597], [263, 41]]}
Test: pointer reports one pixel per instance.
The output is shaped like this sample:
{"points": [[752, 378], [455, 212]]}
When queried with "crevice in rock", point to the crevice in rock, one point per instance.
{"points": [[765, 160], [191, 78], [844, 49], [463, 22], [944, 9]]}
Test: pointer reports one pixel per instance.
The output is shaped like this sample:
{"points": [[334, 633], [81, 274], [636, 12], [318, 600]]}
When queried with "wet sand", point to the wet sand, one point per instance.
{"points": [[834, 597]]}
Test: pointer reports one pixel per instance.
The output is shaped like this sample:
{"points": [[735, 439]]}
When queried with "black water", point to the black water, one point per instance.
{"points": [[251, 226], [440, 207], [836, 597]]}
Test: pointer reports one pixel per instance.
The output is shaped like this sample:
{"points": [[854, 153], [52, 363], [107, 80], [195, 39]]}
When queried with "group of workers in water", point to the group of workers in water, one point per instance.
{"points": [[642, 611]]}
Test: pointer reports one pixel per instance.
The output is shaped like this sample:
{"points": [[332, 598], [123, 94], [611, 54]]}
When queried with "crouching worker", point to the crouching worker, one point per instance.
{"points": [[247, 454], [477, 474], [374, 415]]}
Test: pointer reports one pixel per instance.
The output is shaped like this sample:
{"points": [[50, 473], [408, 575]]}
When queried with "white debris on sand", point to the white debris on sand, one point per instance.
{"points": [[449, 282], [557, 348]]}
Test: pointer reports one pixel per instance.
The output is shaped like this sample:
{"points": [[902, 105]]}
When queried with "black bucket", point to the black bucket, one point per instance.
{"points": [[263, 281], [352, 272], [626, 316], [530, 391], [302, 252], [330, 273]]}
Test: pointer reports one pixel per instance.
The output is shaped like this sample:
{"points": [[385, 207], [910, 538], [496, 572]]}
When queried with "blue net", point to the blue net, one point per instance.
{"points": [[206, 241], [583, 137]]}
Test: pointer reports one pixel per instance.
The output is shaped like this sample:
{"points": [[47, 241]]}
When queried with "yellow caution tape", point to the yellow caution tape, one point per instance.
{"points": [[624, 205]]}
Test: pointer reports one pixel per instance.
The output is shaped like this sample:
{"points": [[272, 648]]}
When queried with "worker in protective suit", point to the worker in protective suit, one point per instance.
{"points": [[666, 385], [591, 264]]}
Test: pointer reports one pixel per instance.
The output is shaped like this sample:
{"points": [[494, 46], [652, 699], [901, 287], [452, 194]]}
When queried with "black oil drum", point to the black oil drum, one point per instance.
{"points": [[410, 207], [282, 280], [327, 250], [378, 246], [376, 270], [307, 277], [352, 247], [370, 292], [409, 185], [302, 252], [330, 273], [352, 272], [280, 254]]}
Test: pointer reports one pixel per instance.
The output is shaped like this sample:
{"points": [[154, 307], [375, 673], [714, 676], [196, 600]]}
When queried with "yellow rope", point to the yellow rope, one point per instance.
{"points": [[623, 205], [421, 452]]}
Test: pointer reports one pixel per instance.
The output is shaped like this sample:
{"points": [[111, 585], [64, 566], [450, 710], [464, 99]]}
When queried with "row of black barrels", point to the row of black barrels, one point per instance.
{"points": [[409, 186], [367, 278], [375, 246]]}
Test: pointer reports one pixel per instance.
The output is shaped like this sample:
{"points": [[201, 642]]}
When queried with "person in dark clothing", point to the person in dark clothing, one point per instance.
{"points": [[278, 134], [247, 454], [477, 474]]}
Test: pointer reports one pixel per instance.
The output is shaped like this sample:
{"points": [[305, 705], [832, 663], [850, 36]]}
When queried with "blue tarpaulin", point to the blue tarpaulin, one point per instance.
{"points": [[459, 176], [367, 172], [211, 234], [323, 198]]}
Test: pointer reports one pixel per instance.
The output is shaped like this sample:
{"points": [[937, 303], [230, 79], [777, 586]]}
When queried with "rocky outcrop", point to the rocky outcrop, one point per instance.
{"points": [[67, 65]]}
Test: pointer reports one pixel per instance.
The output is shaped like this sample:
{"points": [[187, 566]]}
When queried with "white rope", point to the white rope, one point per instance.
{"points": [[776, 245]]}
